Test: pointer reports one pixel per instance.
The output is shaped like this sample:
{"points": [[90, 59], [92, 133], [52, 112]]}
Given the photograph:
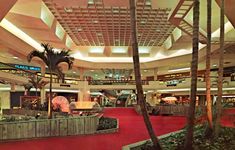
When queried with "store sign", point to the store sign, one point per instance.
{"points": [[24, 67], [229, 99]]}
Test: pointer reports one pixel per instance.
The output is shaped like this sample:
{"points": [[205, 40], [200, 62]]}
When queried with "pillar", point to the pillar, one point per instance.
{"points": [[84, 91], [43, 90], [81, 73], [155, 70]]}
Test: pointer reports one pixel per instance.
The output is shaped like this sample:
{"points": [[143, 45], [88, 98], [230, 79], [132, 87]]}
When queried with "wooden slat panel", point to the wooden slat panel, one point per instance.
{"points": [[4, 131], [63, 127], [1, 133], [43, 128], [80, 125], [10, 131], [31, 130], [55, 127], [72, 128]]}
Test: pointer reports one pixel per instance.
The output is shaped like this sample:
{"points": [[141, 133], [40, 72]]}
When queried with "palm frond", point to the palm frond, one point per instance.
{"points": [[69, 60], [28, 86], [38, 54], [59, 72]]}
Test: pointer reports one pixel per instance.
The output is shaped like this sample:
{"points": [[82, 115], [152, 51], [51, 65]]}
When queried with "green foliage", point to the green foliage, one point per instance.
{"points": [[225, 141], [15, 118], [51, 57], [107, 123]]}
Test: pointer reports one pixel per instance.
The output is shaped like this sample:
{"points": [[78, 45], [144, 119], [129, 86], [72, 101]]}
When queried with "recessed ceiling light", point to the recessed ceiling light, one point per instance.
{"points": [[95, 21], [79, 29], [68, 10], [90, 1], [99, 34], [148, 2], [145, 70], [92, 70], [16, 57], [115, 11], [214, 65], [74, 72], [142, 21]]}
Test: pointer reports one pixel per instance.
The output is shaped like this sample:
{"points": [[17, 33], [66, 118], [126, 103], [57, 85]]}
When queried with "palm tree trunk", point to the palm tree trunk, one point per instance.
{"points": [[221, 72], [36, 87], [207, 76], [50, 99], [138, 76], [194, 66]]}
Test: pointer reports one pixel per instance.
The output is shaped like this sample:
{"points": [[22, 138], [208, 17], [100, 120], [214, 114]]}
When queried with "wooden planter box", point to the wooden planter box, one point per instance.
{"points": [[48, 127], [175, 110]]}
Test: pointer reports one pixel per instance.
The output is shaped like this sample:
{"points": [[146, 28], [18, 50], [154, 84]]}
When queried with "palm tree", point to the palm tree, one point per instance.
{"points": [[194, 66], [37, 82], [221, 71], [207, 75], [27, 88], [138, 76], [52, 59]]}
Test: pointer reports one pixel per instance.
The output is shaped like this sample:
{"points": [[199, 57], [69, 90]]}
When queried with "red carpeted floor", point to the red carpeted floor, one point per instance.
{"points": [[132, 129]]}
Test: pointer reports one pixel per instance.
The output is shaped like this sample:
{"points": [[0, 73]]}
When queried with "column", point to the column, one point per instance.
{"points": [[81, 73], [84, 91], [43, 90], [155, 70]]}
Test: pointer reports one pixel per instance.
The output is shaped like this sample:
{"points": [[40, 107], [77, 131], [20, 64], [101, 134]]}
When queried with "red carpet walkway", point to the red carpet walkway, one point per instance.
{"points": [[132, 129]]}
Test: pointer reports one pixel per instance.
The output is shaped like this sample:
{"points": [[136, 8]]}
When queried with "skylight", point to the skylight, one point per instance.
{"points": [[144, 50], [119, 50], [97, 50]]}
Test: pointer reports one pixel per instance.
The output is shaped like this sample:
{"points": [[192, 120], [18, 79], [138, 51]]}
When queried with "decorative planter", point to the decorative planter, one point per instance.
{"points": [[48, 127], [128, 147]]}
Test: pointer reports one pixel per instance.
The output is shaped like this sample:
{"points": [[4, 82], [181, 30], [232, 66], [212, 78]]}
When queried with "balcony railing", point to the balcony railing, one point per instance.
{"points": [[115, 82]]}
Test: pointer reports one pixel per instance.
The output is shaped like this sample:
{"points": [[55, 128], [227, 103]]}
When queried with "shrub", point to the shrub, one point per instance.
{"points": [[107, 123]]}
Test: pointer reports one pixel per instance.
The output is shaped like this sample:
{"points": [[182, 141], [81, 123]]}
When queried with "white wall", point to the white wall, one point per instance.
{"points": [[4, 100]]}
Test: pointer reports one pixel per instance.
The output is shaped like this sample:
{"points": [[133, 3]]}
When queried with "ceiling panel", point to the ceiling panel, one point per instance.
{"points": [[99, 24]]}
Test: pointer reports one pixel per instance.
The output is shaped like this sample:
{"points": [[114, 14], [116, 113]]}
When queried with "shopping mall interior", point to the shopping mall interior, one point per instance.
{"points": [[97, 34]]}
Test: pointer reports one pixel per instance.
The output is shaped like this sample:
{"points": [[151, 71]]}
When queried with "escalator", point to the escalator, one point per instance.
{"points": [[122, 100], [111, 95]]}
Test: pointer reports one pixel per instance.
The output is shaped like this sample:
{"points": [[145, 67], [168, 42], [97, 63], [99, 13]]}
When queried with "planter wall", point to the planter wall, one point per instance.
{"points": [[130, 146], [176, 110], [48, 127]]}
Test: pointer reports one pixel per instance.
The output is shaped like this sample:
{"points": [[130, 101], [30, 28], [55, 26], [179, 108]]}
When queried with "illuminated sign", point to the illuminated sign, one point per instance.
{"points": [[24, 67]]}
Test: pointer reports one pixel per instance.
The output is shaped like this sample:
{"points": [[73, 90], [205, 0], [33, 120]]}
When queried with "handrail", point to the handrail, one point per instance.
{"points": [[107, 82]]}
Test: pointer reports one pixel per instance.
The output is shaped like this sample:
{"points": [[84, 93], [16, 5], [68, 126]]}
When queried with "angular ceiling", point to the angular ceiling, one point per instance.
{"points": [[98, 31]]}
